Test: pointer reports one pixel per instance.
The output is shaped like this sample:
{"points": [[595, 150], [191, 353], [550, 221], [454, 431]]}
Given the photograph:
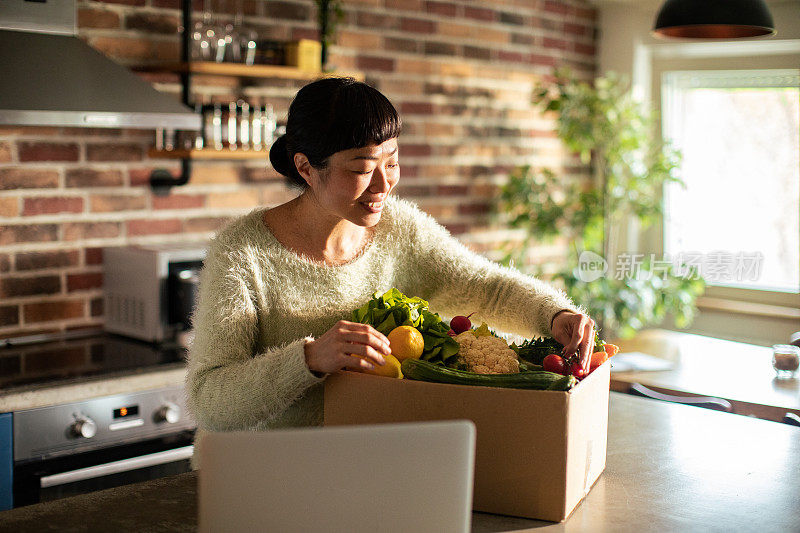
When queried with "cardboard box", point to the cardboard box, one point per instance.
{"points": [[304, 54], [537, 452]]}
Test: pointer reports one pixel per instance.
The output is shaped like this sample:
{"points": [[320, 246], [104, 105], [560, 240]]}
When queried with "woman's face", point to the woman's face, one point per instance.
{"points": [[356, 182]]}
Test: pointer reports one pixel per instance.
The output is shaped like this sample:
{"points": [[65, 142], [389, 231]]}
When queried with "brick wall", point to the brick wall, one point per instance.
{"points": [[460, 72]]}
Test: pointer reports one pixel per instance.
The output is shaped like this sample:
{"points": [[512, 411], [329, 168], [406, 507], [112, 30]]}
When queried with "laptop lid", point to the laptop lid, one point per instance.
{"points": [[404, 477]]}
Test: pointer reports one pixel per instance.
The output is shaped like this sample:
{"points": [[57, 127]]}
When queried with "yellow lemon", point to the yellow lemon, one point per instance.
{"points": [[406, 342], [390, 369]]}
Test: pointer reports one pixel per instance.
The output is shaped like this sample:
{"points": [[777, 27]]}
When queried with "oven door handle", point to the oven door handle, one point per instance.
{"points": [[115, 467]]}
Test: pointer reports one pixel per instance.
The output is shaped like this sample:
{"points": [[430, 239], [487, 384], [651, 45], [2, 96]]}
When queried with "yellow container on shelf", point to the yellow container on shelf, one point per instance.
{"points": [[304, 54]]}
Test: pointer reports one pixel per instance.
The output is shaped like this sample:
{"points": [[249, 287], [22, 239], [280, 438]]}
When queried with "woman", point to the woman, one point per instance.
{"points": [[278, 285]]}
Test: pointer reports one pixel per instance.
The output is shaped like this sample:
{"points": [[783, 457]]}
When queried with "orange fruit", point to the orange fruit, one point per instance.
{"points": [[406, 342]]}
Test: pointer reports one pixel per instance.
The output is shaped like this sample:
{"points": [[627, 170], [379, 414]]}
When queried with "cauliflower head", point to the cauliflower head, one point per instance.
{"points": [[486, 354]]}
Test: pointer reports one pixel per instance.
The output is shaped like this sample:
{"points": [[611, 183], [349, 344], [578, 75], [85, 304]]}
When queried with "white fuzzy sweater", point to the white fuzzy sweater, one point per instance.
{"points": [[259, 303]]}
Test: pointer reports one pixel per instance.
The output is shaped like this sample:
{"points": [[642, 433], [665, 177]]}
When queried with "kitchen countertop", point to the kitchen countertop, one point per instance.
{"points": [[43, 395], [670, 468]]}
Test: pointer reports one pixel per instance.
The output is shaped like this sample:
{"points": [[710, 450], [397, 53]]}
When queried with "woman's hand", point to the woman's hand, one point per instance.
{"points": [[576, 332], [336, 348]]}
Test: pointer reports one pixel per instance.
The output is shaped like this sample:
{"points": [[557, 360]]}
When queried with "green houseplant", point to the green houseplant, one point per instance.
{"points": [[329, 15], [609, 130]]}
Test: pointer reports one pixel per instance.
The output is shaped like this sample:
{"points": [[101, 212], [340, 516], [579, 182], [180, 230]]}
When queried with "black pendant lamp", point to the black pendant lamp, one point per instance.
{"points": [[713, 19]]}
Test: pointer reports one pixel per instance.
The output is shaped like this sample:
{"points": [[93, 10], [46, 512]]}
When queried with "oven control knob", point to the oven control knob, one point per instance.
{"points": [[84, 427], [169, 413]]}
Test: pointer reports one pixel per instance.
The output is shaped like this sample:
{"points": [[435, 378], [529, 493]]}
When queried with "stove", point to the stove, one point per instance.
{"points": [[81, 445]]}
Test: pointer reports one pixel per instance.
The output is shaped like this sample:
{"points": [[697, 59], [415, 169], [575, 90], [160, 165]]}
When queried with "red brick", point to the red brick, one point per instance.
{"points": [[27, 178], [441, 8], [393, 44], [289, 10], [51, 204], [560, 44], [114, 152], [93, 256], [84, 281], [50, 311], [97, 18], [476, 52], [556, 7], [576, 29], [5, 263], [9, 315], [474, 209], [375, 63], [417, 25], [28, 233], [75, 231], [5, 152], [87, 177], [415, 150], [179, 201], [538, 59], [452, 190], [111, 203], [437, 48], [48, 151], [305, 33], [479, 14], [586, 13], [377, 21], [416, 108], [153, 227], [9, 207], [42, 260], [15, 287], [586, 49], [504, 55], [152, 23]]}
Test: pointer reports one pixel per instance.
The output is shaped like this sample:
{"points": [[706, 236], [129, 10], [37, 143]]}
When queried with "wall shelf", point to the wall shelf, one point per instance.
{"points": [[238, 70], [209, 154]]}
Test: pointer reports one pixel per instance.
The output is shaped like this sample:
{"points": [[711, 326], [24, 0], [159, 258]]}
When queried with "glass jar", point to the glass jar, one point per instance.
{"points": [[786, 360]]}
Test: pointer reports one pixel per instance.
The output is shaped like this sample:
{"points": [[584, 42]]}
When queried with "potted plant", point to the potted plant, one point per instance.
{"points": [[612, 132], [329, 14]]}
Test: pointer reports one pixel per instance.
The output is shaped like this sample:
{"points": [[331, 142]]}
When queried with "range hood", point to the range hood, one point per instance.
{"points": [[52, 78]]}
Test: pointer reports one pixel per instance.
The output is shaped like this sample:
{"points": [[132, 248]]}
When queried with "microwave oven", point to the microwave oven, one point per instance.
{"points": [[150, 290]]}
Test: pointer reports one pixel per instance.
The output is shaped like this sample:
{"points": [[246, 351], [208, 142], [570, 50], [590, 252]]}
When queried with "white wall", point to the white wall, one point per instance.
{"points": [[627, 47]]}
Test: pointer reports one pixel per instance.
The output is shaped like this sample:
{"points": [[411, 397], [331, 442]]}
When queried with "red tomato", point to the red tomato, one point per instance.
{"points": [[598, 358], [554, 363], [577, 371]]}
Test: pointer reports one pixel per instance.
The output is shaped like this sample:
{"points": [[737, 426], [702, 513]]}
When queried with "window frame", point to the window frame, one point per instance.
{"points": [[652, 61]]}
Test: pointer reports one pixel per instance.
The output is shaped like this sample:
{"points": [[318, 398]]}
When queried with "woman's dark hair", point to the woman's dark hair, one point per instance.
{"points": [[330, 115]]}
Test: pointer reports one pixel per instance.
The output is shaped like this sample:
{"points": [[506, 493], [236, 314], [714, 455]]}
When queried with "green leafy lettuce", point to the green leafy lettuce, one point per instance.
{"points": [[391, 309]]}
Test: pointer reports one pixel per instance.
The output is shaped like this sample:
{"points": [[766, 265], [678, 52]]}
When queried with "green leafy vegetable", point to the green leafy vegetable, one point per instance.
{"points": [[535, 350], [391, 309]]}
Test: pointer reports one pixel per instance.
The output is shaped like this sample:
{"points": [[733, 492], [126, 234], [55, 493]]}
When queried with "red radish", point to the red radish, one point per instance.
{"points": [[460, 324]]}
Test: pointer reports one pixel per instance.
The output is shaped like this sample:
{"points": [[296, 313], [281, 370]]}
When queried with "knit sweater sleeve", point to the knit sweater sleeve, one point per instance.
{"points": [[458, 281], [229, 387]]}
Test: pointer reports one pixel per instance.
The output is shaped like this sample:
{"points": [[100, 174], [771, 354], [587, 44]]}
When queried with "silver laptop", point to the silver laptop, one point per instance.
{"points": [[405, 477]]}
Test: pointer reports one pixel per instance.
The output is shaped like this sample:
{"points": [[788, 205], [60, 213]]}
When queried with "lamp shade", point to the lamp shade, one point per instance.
{"points": [[713, 19]]}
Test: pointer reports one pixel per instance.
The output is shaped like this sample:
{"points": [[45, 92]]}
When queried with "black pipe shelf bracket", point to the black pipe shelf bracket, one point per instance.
{"points": [[161, 180]]}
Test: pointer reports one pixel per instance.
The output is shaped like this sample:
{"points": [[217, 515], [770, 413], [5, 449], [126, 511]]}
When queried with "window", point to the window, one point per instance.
{"points": [[738, 219]]}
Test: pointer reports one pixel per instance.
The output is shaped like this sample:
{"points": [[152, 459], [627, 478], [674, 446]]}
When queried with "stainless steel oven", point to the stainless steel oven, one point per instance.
{"points": [[74, 448]]}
